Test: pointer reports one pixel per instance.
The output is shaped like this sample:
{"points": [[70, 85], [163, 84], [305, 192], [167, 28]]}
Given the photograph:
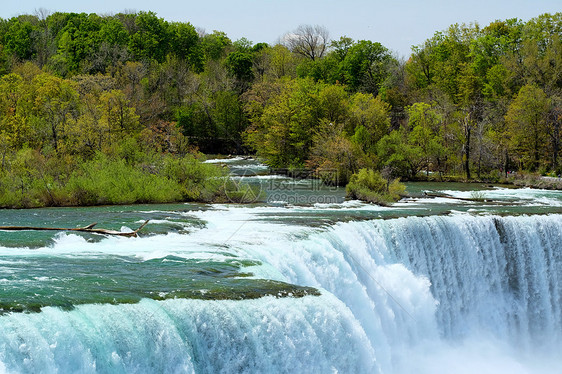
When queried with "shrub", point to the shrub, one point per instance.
{"points": [[197, 181], [370, 186], [106, 181]]}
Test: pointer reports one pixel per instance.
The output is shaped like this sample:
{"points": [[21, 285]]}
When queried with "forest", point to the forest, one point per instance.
{"points": [[113, 109]]}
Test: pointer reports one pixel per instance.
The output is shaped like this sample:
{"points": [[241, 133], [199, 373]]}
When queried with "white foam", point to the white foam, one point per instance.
{"points": [[221, 160]]}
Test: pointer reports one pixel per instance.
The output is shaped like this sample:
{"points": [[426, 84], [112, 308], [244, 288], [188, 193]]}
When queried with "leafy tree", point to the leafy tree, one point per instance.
{"points": [[410, 149], [333, 157], [13, 112], [369, 120], [196, 123], [283, 62], [151, 40], [340, 48], [55, 106], [185, 45], [554, 131], [215, 45], [230, 122], [365, 66], [120, 118], [425, 135], [282, 133], [18, 39], [526, 120], [239, 65], [79, 39]]}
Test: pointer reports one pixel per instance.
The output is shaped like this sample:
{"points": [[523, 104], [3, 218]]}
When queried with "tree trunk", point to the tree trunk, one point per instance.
{"points": [[506, 165], [467, 149], [88, 229]]}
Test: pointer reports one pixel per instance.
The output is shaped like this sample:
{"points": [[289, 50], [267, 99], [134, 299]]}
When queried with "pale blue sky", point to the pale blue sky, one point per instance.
{"points": [[396, 24]]}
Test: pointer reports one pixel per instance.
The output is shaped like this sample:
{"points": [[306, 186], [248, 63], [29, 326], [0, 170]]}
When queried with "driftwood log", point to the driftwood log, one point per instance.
{"points": [[90, 229], [429, 194]]}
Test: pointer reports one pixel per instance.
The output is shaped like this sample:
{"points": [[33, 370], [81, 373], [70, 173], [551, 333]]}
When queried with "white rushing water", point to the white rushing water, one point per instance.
{"points": [[440, 294]]}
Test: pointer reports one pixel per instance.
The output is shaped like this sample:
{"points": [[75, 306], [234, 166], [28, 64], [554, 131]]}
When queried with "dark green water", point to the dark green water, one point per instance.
{"points": [[30, 283]]}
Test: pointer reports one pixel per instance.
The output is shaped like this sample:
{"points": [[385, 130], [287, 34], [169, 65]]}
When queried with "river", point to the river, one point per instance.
{"points": [[300, 281]]}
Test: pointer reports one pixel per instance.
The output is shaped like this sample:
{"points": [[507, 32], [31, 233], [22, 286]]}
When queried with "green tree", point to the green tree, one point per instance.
{"points": [[18, 39], [369, 120], [215, 45], [365, 66], [282, 133], [333, 157], [13, 110], [185, 45], [78, 42], [239, 65], [526, 119], [425, 135], [55, 106], [151, 40]]}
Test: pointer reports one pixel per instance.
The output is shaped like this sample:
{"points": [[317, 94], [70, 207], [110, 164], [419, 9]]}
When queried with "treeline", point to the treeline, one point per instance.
{"points": [[132, 87]]}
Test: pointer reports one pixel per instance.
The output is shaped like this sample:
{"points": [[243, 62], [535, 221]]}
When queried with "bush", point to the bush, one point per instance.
{"points": [[31, 179], [197, 181], [106, 181], [370, 186]]}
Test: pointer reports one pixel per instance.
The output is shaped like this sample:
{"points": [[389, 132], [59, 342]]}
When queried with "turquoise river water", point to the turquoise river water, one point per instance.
{"points": [[300, 281]]}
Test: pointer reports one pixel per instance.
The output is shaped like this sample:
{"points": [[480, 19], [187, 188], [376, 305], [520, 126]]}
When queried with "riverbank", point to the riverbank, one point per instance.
{"points": [[36, 181], [515, 179]]}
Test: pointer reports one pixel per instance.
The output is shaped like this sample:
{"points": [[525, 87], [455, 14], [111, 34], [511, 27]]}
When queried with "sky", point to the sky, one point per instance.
{"points": [[397, 24]]}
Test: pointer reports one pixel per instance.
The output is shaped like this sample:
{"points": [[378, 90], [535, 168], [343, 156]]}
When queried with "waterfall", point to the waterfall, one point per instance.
{"points": [[420, 282], [439, 294], [189, 336]]}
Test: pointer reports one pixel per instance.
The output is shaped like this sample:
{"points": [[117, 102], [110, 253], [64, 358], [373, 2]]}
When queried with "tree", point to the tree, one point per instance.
{"points": [[401, 157], [282, 130], [425, 135], [185, 45], [410, 149], [308, 41], [282, 62], [333, 157], [78, 41], [239, 65], [554, 131], [526, 119], [13, 111], [151, 41], [215, 45], [55, 105], [365, 66], [120, 118], [18, 39], [371, 114], [340, 47]]}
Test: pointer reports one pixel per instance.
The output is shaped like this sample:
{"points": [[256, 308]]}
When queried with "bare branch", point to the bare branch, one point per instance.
{"points": [[308, 41]]}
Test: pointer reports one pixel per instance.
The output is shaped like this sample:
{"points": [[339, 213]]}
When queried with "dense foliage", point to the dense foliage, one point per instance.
{"points": [[369, 185], [82, 94]]}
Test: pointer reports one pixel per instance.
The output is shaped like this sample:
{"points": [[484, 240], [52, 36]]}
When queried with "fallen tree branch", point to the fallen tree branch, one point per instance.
{"points": [[89, 229], [445, 196]]}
